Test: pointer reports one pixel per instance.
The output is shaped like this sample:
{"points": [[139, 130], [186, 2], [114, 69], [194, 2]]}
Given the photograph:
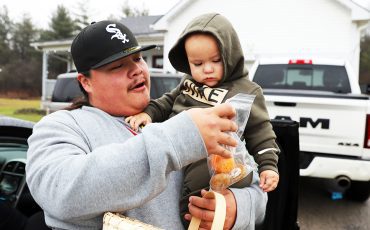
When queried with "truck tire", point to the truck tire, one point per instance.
{"points": [[359, 191]]}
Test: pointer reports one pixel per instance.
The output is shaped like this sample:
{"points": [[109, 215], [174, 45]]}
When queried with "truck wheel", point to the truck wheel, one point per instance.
{"points": [[359, 191]]}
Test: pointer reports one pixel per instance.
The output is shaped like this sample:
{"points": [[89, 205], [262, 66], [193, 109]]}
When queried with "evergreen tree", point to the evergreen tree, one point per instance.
{"points": [[22, 75], [5, 34], [24, 33], [62, 26]]}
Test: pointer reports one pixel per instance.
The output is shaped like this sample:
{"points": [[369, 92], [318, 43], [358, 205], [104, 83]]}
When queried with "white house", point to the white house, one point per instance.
{"points": [[299, 28], [302, 28]]}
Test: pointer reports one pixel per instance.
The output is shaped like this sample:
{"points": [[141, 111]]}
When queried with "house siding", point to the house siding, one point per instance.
{"points": [[266, 28]]}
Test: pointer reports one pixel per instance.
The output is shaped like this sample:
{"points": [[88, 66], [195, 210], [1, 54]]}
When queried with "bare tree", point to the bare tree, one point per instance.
{"points": [[129, 11], [82, 14]]}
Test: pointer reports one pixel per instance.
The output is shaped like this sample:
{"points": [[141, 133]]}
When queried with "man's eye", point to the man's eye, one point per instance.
{"points": [[138, 59], [116, 67]]}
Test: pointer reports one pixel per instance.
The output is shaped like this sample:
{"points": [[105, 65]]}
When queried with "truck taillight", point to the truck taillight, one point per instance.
{"points": [[367, 132], [300, 61]]}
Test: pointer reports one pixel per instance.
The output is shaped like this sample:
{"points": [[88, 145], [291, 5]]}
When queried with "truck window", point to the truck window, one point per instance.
{"points": [[303, 77]]}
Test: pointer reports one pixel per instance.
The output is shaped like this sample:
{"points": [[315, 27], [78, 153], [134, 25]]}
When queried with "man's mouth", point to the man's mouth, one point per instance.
{"points": [[138, 86]]}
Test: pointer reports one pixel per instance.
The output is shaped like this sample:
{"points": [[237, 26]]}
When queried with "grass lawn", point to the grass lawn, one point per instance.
{"points": [[23, 109]]}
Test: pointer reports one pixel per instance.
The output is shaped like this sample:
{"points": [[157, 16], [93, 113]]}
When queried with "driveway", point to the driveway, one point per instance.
{"points": [[318, 211]]}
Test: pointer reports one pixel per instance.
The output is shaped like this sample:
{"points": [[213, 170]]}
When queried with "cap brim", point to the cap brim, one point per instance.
{"points": [[122, 54]]}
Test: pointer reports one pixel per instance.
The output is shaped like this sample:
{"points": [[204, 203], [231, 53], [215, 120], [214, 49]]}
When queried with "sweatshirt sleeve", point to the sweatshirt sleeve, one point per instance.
{"points": [[259, 135], [118, 176], [251, 205], [160, 109]]}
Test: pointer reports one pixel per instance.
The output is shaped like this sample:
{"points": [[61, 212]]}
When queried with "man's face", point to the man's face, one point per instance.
{"points": [[204, 59], [120, 88]]}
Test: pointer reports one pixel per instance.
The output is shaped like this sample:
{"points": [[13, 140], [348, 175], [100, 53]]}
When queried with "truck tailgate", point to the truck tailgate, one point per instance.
{"points": [[329, 123]]}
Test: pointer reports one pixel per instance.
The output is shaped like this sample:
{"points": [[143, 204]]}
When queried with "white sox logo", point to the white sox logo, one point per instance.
{"points": [[111, 28]]}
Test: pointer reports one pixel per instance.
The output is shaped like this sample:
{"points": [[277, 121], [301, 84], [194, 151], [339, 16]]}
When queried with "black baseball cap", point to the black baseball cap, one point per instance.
{"points": [[103, 42]]}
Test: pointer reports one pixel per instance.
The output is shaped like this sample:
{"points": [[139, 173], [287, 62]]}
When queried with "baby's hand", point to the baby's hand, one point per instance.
{"points": [[138, 119], [268, 180]]}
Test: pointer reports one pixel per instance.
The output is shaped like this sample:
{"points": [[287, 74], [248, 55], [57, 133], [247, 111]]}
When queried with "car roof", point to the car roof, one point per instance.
{"points": [[68, 75], [15, 122]]}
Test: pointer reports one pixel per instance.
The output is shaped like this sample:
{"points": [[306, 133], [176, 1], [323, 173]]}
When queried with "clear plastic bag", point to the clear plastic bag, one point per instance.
{"points": [[227, 171]]}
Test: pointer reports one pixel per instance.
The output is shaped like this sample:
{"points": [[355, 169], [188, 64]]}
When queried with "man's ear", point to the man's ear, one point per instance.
{"points": [[85, 82]]}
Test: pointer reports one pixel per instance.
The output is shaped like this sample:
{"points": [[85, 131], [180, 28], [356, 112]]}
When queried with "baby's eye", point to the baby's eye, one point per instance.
{"points": [[217, 60], [197, 64]]}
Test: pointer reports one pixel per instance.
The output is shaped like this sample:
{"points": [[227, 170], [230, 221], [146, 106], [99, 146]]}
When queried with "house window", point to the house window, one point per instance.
{"points": [[158, 61]]}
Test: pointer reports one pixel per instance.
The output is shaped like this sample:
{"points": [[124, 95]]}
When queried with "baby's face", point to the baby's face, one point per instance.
{"points": [[204, 59]]}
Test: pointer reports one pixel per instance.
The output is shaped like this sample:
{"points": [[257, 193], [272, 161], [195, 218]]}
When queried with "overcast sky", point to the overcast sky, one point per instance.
{"points": [[41, 11]]}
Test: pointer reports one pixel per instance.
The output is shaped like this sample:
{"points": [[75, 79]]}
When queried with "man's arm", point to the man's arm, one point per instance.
{"points": [[62, 169]]}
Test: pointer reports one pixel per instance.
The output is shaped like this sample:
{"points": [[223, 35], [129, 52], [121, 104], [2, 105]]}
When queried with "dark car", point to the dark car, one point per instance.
{"points": [[18, 210], [66, 88], [13, 149]]}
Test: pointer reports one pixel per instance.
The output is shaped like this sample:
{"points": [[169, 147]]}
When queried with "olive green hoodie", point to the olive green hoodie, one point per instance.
{"points": [[259, 135]]}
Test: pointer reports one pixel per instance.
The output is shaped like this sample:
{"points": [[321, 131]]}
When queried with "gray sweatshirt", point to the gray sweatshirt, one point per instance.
{"points": [[84, 162]]}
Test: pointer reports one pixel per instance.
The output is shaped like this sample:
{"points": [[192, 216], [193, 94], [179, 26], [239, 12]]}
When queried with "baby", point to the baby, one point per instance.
{"points": [[209, 53]]}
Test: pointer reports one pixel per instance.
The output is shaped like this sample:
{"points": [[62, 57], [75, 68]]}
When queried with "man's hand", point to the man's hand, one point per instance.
{"points": [[204, 209], [269, 180], [138, 119], [213, 123]]}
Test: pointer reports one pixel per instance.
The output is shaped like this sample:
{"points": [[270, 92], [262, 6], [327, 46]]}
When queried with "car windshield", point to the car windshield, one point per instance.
{"points": [[161, 85], [303, 77]]}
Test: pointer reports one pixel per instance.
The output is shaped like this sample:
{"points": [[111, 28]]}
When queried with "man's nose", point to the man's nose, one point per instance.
{"points": [[135, 70]]}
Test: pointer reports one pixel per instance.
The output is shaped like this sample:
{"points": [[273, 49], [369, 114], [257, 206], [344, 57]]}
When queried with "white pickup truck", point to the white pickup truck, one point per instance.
{"points": [[325, 98]]}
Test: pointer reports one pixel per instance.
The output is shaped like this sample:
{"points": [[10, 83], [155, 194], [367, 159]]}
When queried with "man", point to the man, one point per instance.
{"points": [[86, 161]]}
